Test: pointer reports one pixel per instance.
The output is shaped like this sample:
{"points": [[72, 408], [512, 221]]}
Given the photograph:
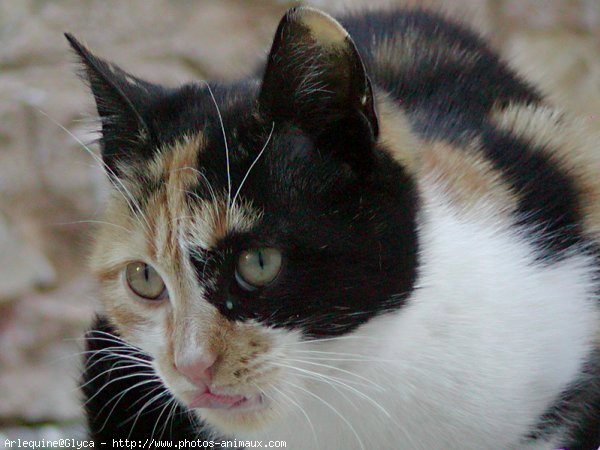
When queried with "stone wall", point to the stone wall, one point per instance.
{"points": [[51, 189]]}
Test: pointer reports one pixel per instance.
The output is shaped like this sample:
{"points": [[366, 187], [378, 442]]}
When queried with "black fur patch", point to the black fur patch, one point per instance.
{"points": [[315, 84], [348, 240], [452, 82], [548, 202]]}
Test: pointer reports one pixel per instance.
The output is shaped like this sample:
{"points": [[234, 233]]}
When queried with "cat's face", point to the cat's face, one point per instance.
{"points": [[251, 223]]}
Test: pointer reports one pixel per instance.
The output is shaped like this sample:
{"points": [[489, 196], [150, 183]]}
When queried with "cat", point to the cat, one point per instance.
{"points": [[387, 239]]}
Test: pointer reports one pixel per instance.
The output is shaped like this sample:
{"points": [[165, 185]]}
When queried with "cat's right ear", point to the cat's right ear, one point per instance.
{"points": [[122, 101]]}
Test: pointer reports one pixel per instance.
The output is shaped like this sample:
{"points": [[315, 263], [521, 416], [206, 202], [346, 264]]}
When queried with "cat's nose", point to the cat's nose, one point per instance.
{"points": [[197, 369]]}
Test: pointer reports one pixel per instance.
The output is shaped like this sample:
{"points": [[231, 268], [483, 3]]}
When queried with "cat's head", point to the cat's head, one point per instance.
{"points": [[250, 223]]}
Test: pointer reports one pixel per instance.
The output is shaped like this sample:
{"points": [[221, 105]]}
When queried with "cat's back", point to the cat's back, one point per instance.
{"points": [[488, 130]]}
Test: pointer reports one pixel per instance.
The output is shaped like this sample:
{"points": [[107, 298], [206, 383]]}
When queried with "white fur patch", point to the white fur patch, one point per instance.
{"points": [[484, 345]]}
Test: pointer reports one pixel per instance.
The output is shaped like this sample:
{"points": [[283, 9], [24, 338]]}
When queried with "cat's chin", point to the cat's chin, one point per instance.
{"points": [[250, 418]]}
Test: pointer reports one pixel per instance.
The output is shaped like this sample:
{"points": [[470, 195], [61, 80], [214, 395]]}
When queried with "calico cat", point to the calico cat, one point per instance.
{"points": [[386, 240]]}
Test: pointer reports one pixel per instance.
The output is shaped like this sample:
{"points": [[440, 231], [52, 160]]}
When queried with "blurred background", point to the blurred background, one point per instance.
{"points": [[51, 190]]}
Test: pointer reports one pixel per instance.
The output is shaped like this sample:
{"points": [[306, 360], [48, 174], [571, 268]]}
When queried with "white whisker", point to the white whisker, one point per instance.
{"points": [[135, 418], [304, 413], [337, 338], [120, 395], [169, 417], [124, 377], [356, 435], [253, 163], [360, 377], [226, 145], [332, 381], [159, 416]]}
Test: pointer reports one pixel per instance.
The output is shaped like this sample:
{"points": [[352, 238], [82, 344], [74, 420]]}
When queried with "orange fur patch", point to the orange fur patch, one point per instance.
{"points": [[395, 135], [125, 317], [467, 179]]}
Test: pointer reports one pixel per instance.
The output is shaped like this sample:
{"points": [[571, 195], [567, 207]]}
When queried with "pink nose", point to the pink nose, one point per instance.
{"points": [[197, 369]]}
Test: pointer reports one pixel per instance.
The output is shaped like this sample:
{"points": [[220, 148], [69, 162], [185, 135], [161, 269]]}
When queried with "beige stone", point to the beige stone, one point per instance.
{"points": [[565, 65], [22, 267]]}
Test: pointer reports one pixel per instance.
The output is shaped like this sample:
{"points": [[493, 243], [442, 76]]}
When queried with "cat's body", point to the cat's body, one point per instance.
{"points": [[439, 226]]}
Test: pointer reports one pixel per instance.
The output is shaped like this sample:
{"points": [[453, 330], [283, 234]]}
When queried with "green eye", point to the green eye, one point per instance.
{"points": [[257, 268], [144, 281]]}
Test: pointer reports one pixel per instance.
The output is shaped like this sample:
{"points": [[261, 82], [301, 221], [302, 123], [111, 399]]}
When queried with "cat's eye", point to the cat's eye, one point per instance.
{"points": [[258, 267], [144, 281]]}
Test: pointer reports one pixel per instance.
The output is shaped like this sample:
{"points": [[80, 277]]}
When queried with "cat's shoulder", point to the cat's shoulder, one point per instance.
{"points": [[490, 140]]}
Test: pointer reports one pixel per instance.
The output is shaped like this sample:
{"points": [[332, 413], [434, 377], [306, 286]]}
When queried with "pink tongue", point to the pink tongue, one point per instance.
{"points": [[208, 400]]}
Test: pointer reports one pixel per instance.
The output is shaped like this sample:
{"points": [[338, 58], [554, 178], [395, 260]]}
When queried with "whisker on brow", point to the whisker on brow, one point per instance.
{"points": [[253, 163], [212, 96]]}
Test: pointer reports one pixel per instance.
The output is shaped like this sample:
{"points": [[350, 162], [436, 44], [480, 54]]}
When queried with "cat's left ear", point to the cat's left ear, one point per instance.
{"points": [[315, 76], [123, 104]]}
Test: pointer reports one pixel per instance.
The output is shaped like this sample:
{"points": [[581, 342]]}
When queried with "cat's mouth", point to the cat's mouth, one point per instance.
{"points": [[215, 401], [231, 413]]}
